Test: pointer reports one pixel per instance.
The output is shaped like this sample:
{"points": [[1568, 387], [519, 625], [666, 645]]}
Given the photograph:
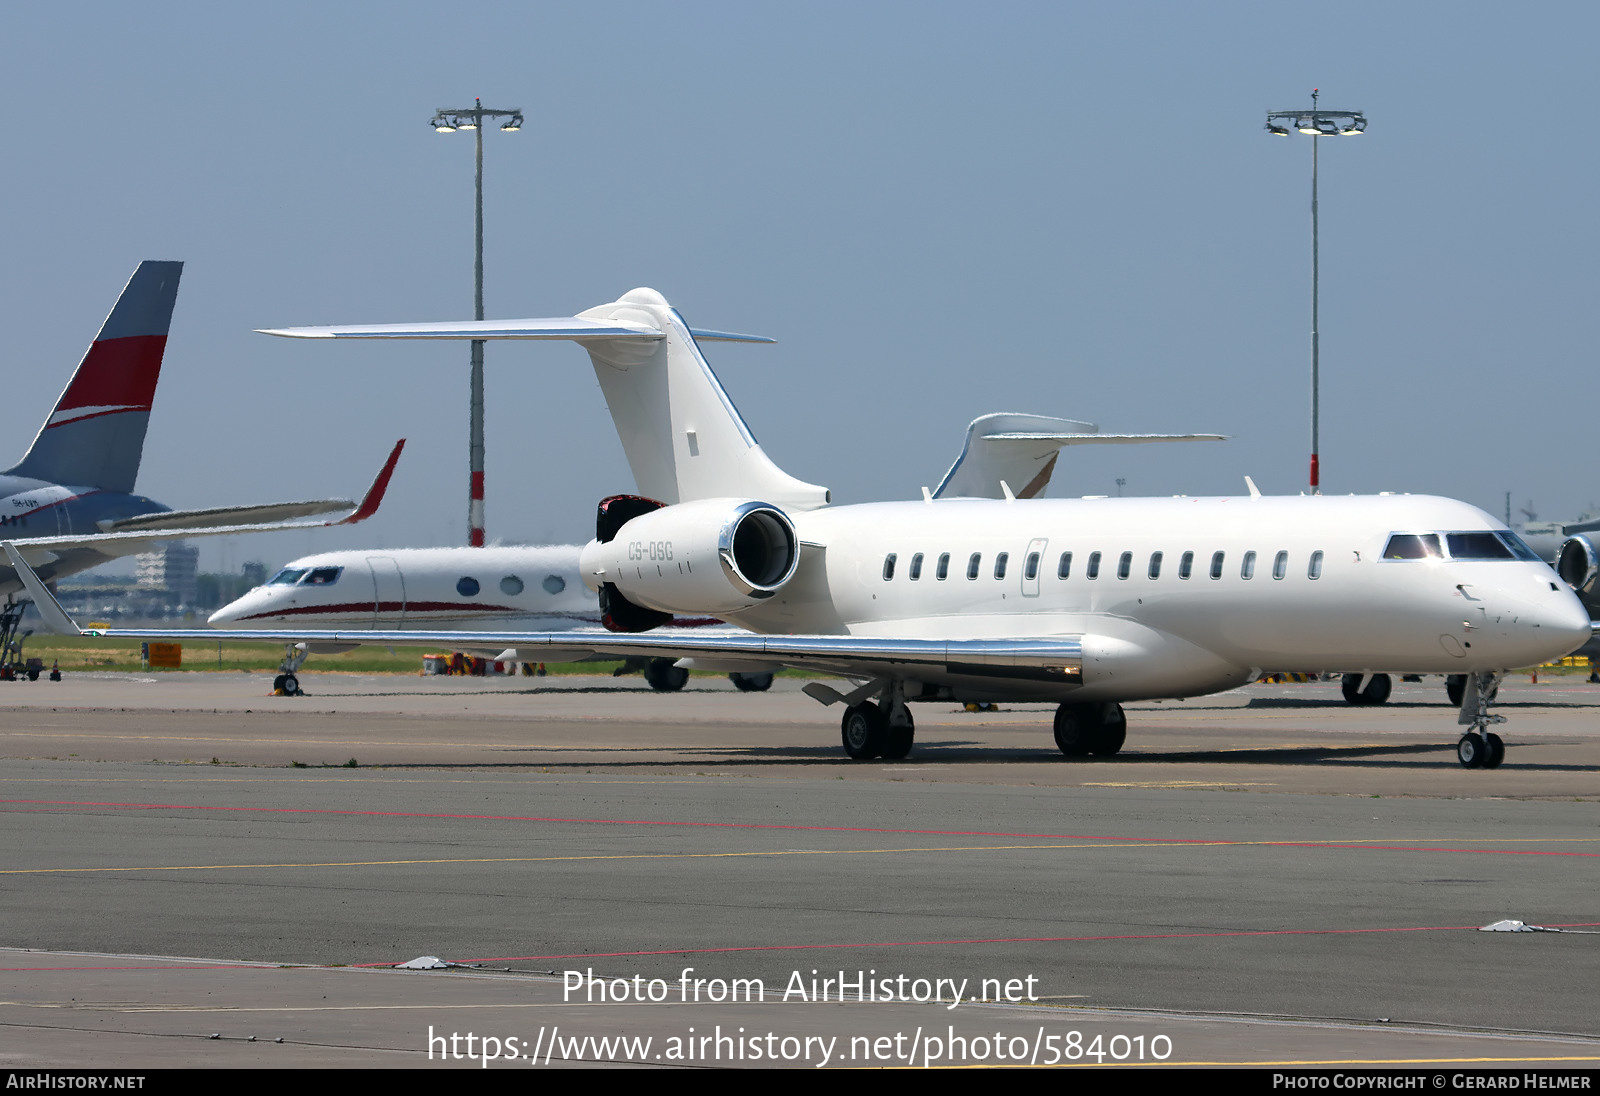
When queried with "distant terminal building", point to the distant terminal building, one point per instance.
{"points": [[171, 568]]}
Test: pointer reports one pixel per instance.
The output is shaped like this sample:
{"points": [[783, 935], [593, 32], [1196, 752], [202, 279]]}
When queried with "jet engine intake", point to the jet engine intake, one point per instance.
{"points": [[711, 557], [1578, 564]]}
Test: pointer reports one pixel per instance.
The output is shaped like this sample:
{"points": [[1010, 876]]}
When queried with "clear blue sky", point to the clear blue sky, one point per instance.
{"points": [[939, 210]]}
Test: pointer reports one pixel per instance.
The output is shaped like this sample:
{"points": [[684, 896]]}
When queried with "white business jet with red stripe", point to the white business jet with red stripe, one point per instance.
{"points": [[1087, 603]]}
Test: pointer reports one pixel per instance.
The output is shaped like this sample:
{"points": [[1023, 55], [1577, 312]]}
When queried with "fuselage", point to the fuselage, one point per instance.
{"points": [[1182, 596], [36, 508], [422, 588]]}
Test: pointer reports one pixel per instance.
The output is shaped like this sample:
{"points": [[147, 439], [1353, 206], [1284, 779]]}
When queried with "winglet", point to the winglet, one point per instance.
{"points": [[374, 496], [55, 617]]}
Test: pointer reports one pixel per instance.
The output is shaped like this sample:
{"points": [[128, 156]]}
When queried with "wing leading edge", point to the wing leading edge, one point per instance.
{"points": [[227, 521]]}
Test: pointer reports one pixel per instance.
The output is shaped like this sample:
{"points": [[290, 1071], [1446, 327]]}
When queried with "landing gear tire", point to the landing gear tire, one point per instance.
{"points": [[664, 677], [1072, 731], [291, 685], [1455, 687], [898, 740], [1112, 734], [864, 732], [1495, 753], [277, 683], [1472, 751], [1084, 729], [1376, 692], [751, 683]]}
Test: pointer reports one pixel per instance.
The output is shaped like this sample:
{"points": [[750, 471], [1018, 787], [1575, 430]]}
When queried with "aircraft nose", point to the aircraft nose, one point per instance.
{"points": [[229, 612], [1565, 617]]}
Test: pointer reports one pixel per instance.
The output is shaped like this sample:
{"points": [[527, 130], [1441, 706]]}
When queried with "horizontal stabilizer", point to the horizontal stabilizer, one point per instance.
{"points": [[559, 327], [1013, 448], [1103, 439], [683, 437]]}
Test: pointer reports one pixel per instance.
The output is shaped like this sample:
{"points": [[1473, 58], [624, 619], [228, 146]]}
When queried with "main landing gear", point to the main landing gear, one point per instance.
{"points": [[663, 676], [1083, 730], [1366, 688], [1478, 747], [868, 731]]}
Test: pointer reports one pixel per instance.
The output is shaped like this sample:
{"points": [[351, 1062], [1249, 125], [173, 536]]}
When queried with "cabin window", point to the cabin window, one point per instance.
{"points": [[1093, 570], [888, 566], [553, 584], [1064, 568], [1000, 564], [1413, 546], [1314, 568], [286, 577], [323, 576], [1186, 565], [467, 586], [1216, 564], [943, 571], [973, 564], [1247, 569], [1280, 565], [1031, 572], [511, 586], [1155, 564], [1125, 565], [916, 567]]}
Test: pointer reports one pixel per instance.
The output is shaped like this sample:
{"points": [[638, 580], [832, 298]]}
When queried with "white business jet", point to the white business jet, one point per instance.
{"points": [[1087, 603]]}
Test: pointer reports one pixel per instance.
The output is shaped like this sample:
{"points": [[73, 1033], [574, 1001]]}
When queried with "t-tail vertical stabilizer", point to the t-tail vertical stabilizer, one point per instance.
{"points": [[684, 438], [95, 435]]}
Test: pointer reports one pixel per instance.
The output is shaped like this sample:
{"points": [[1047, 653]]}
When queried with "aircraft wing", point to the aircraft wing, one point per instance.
{"points": [[223, 521], [1055, 658]]}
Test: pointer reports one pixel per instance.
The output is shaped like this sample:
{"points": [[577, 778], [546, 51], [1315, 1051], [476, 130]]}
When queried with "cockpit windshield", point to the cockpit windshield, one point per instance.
{"points": [[322, 576], [1484, 545], [1413, 546], [287, 577], [1474, 544]]}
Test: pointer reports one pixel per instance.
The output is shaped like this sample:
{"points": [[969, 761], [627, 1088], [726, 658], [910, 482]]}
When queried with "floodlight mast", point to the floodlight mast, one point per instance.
{"points": [[448, 121], [1316, 123]]}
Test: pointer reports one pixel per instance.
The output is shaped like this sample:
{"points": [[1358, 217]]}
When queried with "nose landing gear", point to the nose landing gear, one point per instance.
{"points": [[1479, 748], [286, 683]]}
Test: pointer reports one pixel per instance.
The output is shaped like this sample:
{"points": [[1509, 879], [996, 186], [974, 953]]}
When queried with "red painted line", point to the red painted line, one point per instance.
{"points": [[369, 608], [791, 827], [173, 966], [979, 941]]}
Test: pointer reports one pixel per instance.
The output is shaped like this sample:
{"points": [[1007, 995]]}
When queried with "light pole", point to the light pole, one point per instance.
{"points": [[1316, 123], [448, 121]]}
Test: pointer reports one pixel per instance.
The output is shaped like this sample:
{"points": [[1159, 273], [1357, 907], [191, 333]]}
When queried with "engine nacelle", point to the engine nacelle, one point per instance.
{"points": [[708, 557], [1578, 564]]}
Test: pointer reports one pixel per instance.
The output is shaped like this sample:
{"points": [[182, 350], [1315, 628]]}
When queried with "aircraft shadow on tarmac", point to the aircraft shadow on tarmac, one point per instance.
{"points": [[1337, 702], [934, 753]]}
